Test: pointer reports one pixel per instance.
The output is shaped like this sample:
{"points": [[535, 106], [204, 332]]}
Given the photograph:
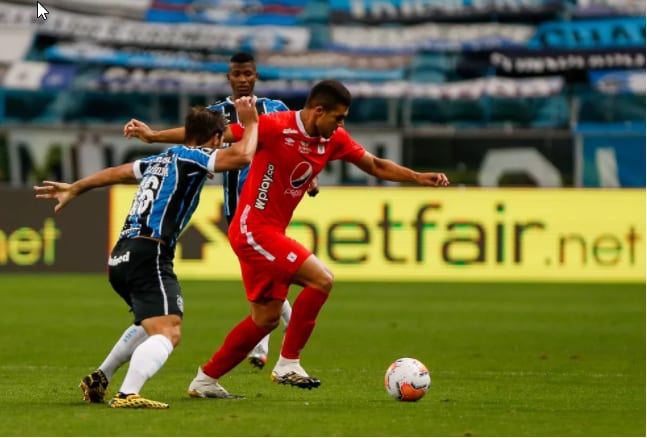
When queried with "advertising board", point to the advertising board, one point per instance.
{"points": [[35, 239], [456, 234]]}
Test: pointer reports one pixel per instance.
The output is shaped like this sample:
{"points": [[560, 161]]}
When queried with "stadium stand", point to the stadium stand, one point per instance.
{"points": [[532, 64]]}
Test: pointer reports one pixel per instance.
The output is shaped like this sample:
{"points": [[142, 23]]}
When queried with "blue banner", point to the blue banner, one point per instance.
{"points": [[608, 8], [32, 75], [58, 77], [136, 58], [241, 12], [430, 36], [104, 29], [618, 81], [614, 33], [295, 67], [411, 11], [525, 62], [612, 155]]}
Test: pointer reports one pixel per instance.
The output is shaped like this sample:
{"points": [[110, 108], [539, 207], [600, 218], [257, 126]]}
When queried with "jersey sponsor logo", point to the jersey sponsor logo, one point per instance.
{"points": [[295, 193], [159, 166], [123, 258], [301, 174], [289, 141], [292, 257], [262, 197], [158, 171], [163, 160], [289, 131], [128, 232]]}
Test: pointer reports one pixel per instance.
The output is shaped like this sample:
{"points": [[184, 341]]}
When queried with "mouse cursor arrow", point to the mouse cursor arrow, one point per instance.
{"points": [[41, 11]]}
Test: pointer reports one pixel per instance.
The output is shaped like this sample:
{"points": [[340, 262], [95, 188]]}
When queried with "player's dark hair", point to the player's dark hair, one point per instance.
{"points": [[329, 94], [241, 58], [201, 124]]}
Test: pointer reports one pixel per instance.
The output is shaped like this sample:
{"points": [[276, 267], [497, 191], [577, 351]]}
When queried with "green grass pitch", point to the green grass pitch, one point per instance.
{"points": [[505, 360]]}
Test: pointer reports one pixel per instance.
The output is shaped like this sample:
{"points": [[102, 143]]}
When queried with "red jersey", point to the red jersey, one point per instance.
{"points": [[286, 160]]}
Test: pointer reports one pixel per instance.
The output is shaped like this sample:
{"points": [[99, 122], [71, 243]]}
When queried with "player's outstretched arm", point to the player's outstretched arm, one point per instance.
{"points": [[389, 171], [64, 193], [240, 154], [138, 129]]}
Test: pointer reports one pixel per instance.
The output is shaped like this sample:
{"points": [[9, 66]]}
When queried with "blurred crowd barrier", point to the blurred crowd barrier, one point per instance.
{"points": [[594, 155]]}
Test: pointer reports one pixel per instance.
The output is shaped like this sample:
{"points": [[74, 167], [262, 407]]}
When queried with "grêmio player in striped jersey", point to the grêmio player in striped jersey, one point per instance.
{"points": [[140, 267], [242, 76]]}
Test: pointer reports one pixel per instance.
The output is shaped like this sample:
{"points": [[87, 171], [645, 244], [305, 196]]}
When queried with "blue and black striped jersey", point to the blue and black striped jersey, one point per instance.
{"points": [[233, 180], [169, 190]]}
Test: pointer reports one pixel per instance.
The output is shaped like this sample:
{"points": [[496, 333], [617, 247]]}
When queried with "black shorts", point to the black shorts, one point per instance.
{"points": [[141, 272]]}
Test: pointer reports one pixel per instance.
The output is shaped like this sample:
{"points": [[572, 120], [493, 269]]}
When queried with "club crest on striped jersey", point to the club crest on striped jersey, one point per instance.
{"points": [[301, 174], [226, 112]]}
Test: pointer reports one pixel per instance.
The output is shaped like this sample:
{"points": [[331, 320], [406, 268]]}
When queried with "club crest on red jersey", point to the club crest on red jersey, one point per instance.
{"points": [[321, 147], [304, 147]]}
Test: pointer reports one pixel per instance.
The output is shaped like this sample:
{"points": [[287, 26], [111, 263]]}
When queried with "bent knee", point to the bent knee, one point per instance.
{"points": [[325, 281], [313, 273], [173, 334], [268, 323], [169, 326], [175, 338]]}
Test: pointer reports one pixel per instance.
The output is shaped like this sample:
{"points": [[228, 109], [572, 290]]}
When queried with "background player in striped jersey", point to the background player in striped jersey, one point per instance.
{"points": [[242, 76], [140, 266]]}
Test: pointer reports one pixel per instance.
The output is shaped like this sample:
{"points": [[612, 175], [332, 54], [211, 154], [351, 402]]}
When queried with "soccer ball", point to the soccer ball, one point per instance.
{"points": [[407, 379]]}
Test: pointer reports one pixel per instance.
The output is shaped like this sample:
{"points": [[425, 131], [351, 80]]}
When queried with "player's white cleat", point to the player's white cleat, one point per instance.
{"points": [[257, 361], [290, 372], [204, 386], [257, 358]]}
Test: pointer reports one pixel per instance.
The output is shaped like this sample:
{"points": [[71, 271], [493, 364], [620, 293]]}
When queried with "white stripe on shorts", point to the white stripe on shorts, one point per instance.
{"points": [[250, 238], [159, 278]]}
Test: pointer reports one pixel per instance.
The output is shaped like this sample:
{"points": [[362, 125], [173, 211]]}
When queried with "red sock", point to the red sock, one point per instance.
{"points": [[304, 313], [240, 341]]}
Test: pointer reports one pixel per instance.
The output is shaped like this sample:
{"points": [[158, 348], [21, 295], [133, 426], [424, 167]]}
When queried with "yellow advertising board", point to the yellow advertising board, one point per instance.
{"points": [[448, 234]]}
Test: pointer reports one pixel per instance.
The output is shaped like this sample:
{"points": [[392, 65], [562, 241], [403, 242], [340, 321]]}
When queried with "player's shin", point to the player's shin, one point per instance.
{"points": [[302, 322], [147, 359], [240, 340], [132, 337]]}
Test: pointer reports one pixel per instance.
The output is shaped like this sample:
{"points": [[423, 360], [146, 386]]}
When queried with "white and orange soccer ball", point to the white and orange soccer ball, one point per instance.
{"points": [[407, 379]]}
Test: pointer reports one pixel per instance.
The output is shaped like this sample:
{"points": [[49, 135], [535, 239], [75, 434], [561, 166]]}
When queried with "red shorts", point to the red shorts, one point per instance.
{"points": [[268, 261]]}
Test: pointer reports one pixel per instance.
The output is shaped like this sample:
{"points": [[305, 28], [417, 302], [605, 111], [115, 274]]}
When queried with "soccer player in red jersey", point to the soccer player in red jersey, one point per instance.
{"points": [[293, 147]]}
